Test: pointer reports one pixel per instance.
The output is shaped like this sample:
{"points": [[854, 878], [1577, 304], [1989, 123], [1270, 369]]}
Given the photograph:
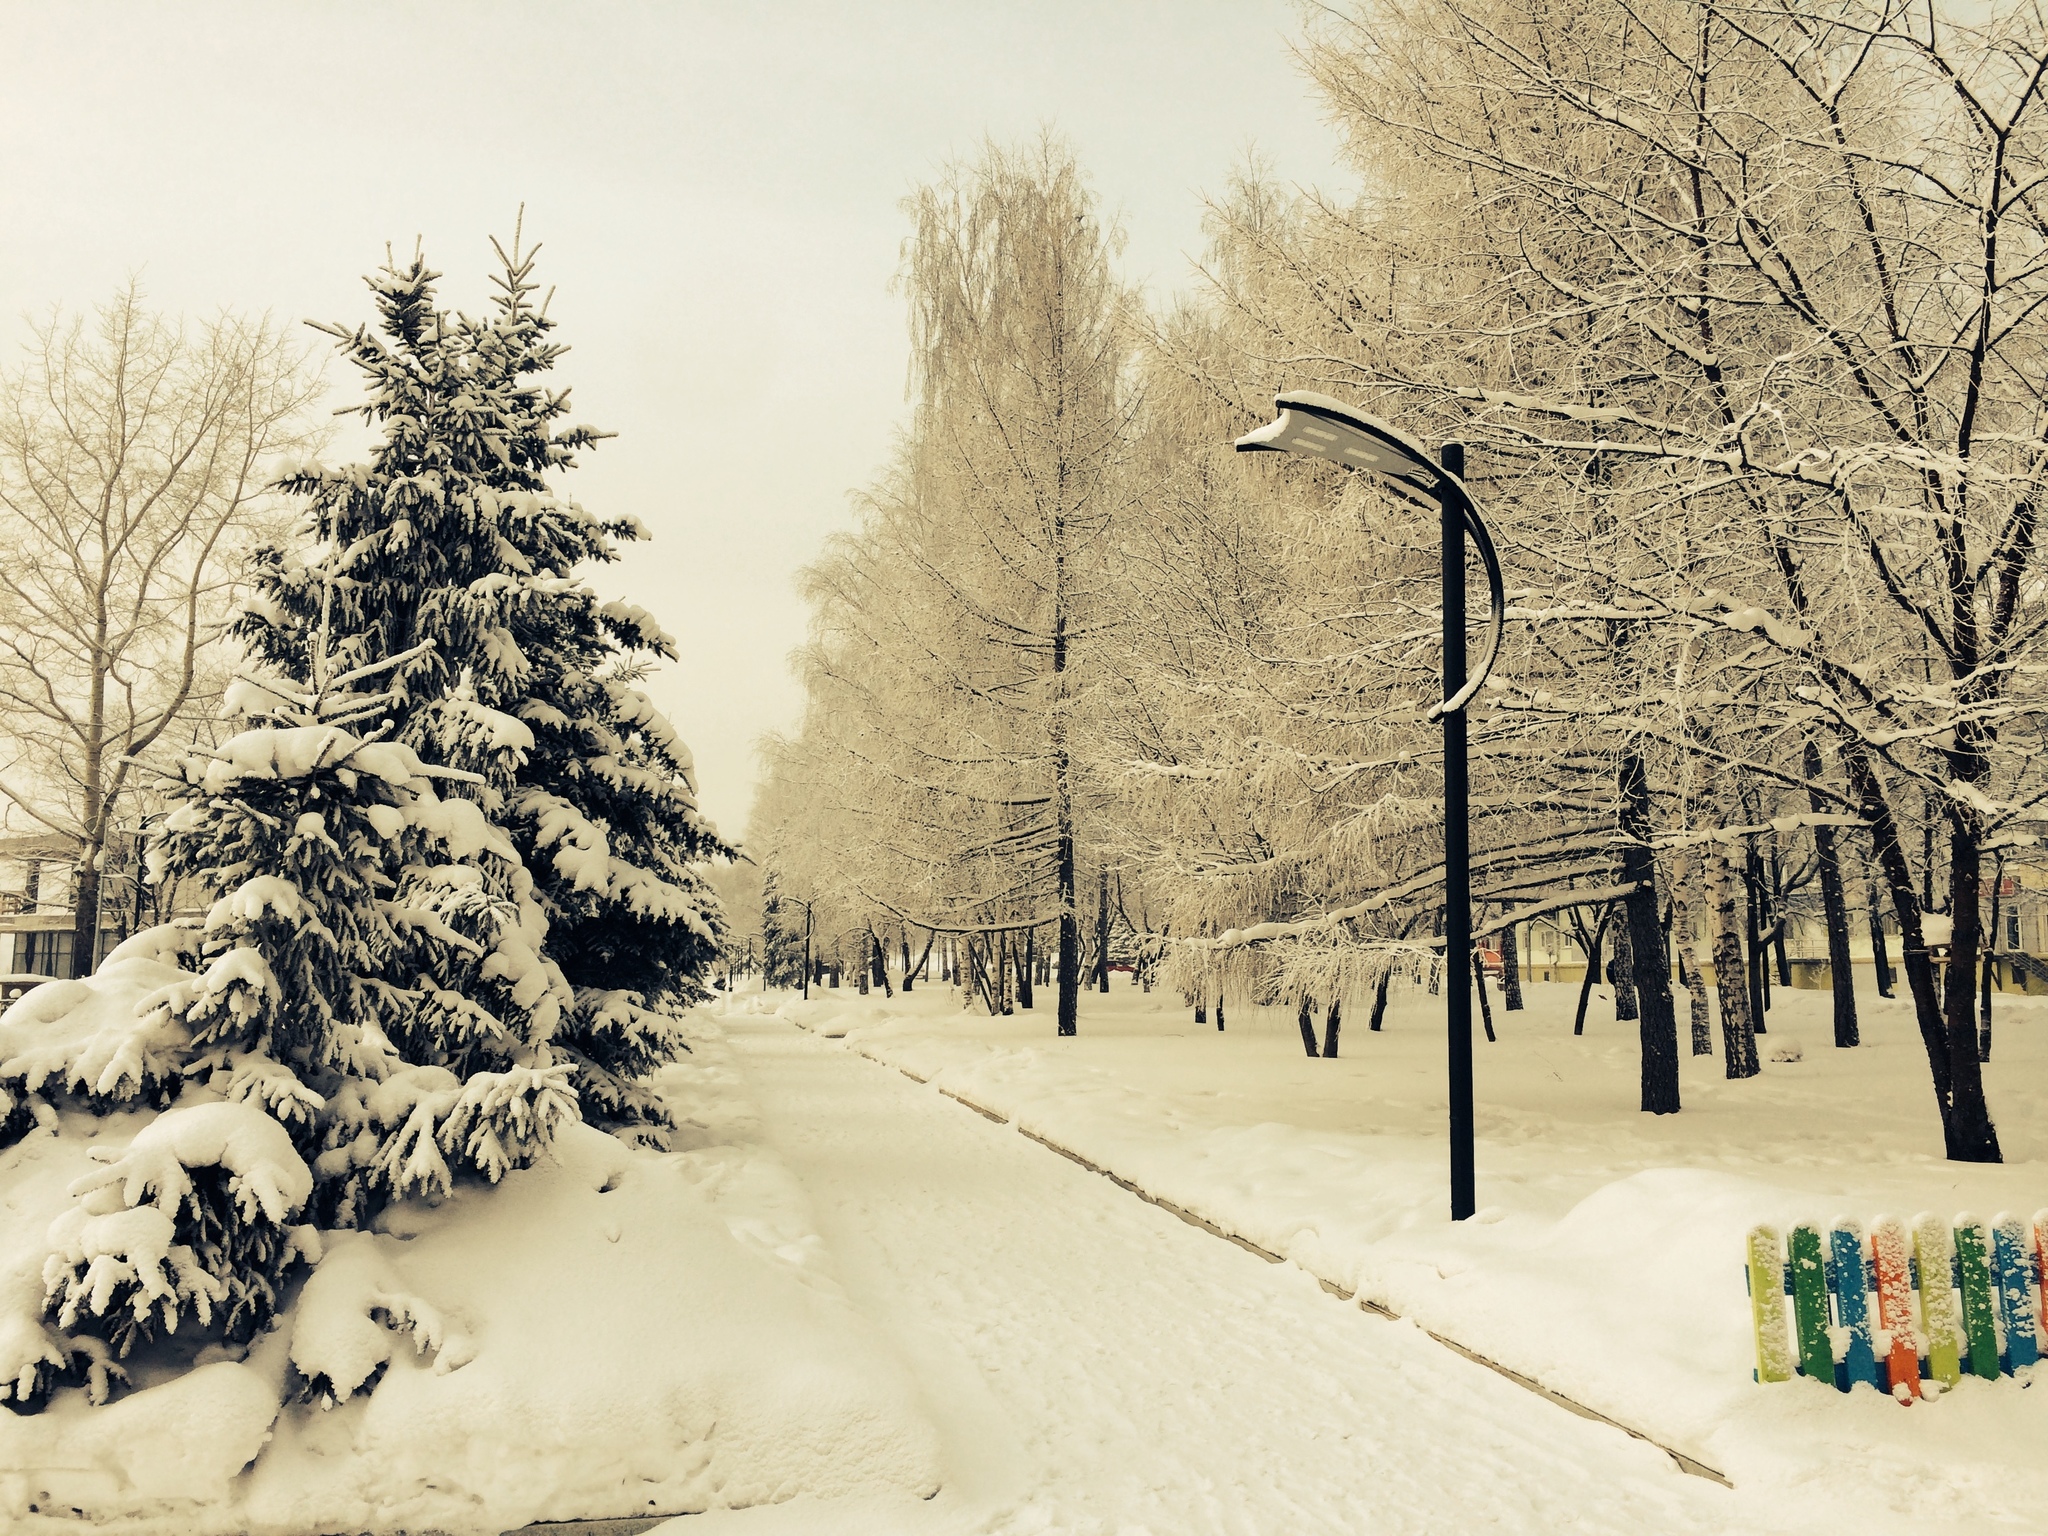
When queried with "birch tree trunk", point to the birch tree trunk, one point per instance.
{"points": [[1684, 927], [1731, 976]]}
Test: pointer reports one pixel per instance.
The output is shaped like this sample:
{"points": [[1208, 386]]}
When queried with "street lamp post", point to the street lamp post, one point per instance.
{"points": [[1328, 429]]}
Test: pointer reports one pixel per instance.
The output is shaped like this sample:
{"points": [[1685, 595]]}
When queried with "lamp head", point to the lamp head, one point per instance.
{"points": [[1329, 429]]}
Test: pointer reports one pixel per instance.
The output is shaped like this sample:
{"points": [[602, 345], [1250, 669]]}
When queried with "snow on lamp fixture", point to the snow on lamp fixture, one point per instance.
{"points": [[1331, 430]]}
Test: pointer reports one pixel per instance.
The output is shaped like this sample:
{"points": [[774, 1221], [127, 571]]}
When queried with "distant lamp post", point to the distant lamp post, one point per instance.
{"points": [[1328, 429]]}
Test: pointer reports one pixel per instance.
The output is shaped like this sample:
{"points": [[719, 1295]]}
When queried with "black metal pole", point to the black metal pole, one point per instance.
{"points": [[1457, 843]]}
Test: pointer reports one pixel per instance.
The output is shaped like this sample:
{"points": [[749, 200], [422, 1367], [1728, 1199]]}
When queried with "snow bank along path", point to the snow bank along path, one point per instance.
{"points": [[1097, 1366]]}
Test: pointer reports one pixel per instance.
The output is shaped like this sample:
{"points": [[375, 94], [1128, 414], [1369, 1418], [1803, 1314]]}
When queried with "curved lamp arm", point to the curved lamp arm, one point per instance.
{"points": [[1489, 559], [1318, 426]]}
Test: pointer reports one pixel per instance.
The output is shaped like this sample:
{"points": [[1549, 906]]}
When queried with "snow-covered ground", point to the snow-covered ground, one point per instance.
{"points": [[848, 1304], [1607, 1260], [1099, 1368]]}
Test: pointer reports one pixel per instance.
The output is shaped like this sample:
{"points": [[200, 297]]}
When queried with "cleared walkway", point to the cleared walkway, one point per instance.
{"points": [[1099, 1366]]}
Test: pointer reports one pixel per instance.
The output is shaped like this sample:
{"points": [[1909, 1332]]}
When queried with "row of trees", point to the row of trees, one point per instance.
{"points": [[1739, 308]]}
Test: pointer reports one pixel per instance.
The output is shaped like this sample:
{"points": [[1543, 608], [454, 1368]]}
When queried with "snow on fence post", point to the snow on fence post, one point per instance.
{"points": [[1937, 1299], [1767, 1305], [2016, 1308], [1810, 1304], [1892, 1259], [1851, 1285], [1973, 1274], [1979, 1310]]}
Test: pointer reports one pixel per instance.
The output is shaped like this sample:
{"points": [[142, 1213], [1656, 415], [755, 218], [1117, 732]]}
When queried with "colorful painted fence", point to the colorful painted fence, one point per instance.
{"points": [[1910, 1311]]}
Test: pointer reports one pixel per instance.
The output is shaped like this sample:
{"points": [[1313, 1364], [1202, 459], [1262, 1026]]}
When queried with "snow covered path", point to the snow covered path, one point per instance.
{"points": [[1097, 1366]]}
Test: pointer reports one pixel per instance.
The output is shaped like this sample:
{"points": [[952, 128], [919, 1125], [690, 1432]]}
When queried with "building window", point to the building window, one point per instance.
{"points": [[2012, 928], [45, 954]]}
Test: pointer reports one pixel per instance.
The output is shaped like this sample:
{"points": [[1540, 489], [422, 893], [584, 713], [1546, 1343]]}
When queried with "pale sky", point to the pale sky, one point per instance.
{"points": [[717, 191]]}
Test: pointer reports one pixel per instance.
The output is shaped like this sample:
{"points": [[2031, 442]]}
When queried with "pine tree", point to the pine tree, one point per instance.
{"points": [[450, 916], [605, 810], [452, 533], [303, 1011]]}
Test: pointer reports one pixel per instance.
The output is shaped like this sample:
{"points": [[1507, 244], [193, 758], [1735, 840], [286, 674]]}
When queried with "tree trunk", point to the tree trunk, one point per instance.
{"points": [[1927, 902], [1927, 1012], [1102, 930], [85, 897], [1593, 955], [1658, 1028], [1333, 1023], [1778, 922], [1738, 1032], [988, 970], [1622, 975], [1880, 951], [1436, 931], [1510, 968], [1305, 1017], [1485, 1007], [1753, 916], [1219, 1010], [1379, 1001], [1841, 972], [1975, 1139], [1686, 930], [1027, 964], [1069, 1011], [1990, 961], [878, 957]]}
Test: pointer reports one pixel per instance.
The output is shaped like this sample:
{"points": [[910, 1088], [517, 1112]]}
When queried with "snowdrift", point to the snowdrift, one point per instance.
{"points": [[620, 1332]]}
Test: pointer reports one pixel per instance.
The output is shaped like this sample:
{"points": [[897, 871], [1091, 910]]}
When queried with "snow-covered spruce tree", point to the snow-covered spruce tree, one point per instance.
{"points": [[307, 1020], [451, 533], [362, 967], [605, 810]]}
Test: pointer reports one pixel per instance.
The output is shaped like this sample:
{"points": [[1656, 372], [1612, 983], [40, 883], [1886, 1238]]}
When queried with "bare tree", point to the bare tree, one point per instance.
{"points": [[955, 629], [134, 457]]}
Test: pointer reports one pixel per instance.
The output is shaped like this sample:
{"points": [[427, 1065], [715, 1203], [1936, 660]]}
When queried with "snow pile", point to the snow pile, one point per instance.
{"points": [[349, 1317], [618, 1332], [163, 1459]]}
